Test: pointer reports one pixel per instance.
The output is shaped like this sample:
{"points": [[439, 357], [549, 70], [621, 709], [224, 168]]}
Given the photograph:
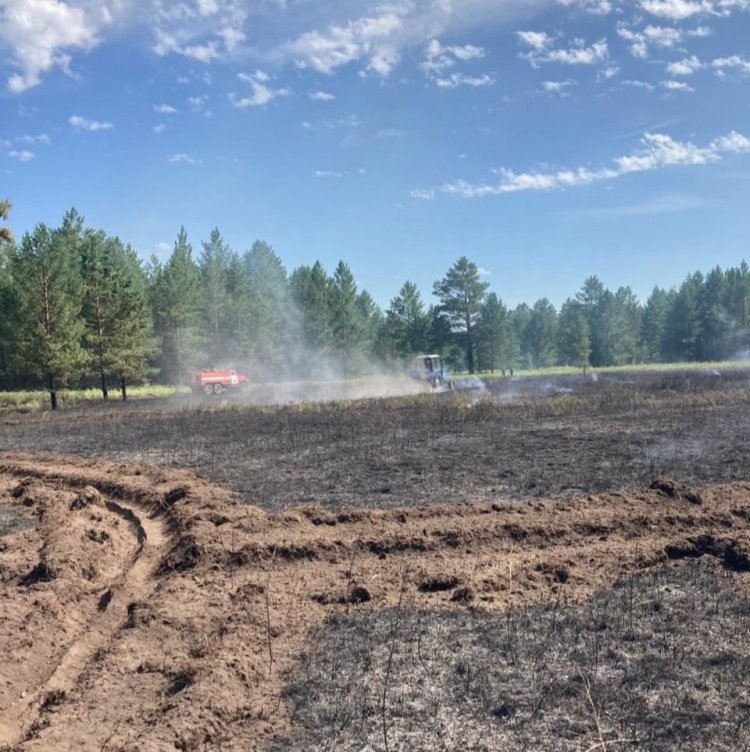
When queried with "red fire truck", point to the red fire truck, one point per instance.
{"points": [[218, 382]]}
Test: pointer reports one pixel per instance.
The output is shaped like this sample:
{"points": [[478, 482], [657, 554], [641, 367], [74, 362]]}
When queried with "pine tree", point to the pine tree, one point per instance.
{"points": [[217, 310], [573, 336], [495, 335], [406, 322], [6, 236], [310, 290], [176, 299], [542, 334], [461, 294], [268, 308], [346, 317], [49, 297]]}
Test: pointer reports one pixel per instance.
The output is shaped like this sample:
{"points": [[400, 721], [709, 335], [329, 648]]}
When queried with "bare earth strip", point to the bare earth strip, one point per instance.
{"points": [[155, 612]]}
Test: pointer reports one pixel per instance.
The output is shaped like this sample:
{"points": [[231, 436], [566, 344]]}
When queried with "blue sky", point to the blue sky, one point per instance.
{"points": [[545, 139]]}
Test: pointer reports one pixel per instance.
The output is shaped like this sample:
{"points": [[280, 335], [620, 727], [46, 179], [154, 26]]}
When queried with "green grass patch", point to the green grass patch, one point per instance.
{"points": [[638, 368], [39, 399]]}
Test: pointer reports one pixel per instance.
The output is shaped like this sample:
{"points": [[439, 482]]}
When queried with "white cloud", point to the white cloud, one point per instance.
{"points": [[657, 151], [676, 86], [329, 174], [371, 38], [685, 67], [595, 7], [321, 96], [424, 194], [164, 109], [735, 61], [558, 87], [205, 31], [184, 158], [262, 92], [197, 103], [636, 84], [543, 50], [159, 128], [733, 142], [22, 156], [657, 36], [40, 138], [459, 79], [537, 40], [679, 10], [41, 32], [606, 73], [438, 59], [84, 124]]}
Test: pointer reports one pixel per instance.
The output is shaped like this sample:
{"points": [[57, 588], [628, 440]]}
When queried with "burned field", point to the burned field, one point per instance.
{"points": [[523, 566], [515, 438]]}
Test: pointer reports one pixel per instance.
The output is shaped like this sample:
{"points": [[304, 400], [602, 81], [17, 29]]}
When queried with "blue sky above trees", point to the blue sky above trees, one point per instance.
{"points": [[545, 140]]}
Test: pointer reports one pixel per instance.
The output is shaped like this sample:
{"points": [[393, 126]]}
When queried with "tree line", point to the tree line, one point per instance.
{"points": [[79, 307]]}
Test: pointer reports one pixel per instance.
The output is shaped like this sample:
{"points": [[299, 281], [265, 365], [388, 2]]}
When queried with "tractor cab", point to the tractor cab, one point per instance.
{"points": [[429, 368]]}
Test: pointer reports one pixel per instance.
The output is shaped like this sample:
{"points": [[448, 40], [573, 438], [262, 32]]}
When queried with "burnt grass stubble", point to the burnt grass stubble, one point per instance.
{"points": [[658, 663], [517, 438]]}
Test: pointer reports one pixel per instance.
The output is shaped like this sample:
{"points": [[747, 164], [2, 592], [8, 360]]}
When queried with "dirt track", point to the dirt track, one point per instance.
{"points": [[146, 610]]}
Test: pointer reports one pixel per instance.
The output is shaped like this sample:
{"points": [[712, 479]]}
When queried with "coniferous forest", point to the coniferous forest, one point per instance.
{"points": [[80, 308]]}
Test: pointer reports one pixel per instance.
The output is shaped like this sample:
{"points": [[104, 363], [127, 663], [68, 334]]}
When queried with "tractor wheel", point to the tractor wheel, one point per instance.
{"points": [[208, 389]]}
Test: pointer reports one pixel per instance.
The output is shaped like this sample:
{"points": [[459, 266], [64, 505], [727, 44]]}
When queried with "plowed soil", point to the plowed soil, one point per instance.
{"points": [[145, 609]]}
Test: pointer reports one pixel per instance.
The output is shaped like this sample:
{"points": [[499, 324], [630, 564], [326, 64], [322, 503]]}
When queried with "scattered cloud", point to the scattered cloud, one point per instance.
{"points": [[595, 7], [735, 62], [165, 109], [372, 39], [321, 96], [664, 37], [559, 87], [42, 33], [184, 158], [159, 128], [198, 103], [676, 86], [679, 10], [657, 151], [605, 74], [459, 79], [39, 138], [21, 155], [262, 92], [543, 50], [84, 124], [685, 67], [637, 84], [329, 174]]}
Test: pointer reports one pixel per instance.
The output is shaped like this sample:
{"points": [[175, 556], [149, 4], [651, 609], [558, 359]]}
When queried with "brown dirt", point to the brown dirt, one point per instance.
{"points": [[146, 610]]}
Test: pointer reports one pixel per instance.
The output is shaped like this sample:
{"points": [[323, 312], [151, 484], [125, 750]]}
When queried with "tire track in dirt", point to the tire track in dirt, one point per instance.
{"points": [[134, 582], [208, 622]]}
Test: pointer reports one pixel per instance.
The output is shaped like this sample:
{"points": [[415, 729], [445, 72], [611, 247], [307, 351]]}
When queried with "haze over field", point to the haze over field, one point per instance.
{"points": [[572, 137]]}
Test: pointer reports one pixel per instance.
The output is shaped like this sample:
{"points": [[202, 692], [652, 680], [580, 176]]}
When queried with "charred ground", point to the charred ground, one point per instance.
{"points": [[528, 437]]}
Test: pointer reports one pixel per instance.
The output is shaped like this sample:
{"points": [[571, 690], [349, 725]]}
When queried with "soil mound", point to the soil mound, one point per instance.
{"points": [[144, 609]]}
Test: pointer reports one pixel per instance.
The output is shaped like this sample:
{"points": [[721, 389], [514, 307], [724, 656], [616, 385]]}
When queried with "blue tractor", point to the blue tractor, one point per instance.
{"points": [[429, 368]]}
